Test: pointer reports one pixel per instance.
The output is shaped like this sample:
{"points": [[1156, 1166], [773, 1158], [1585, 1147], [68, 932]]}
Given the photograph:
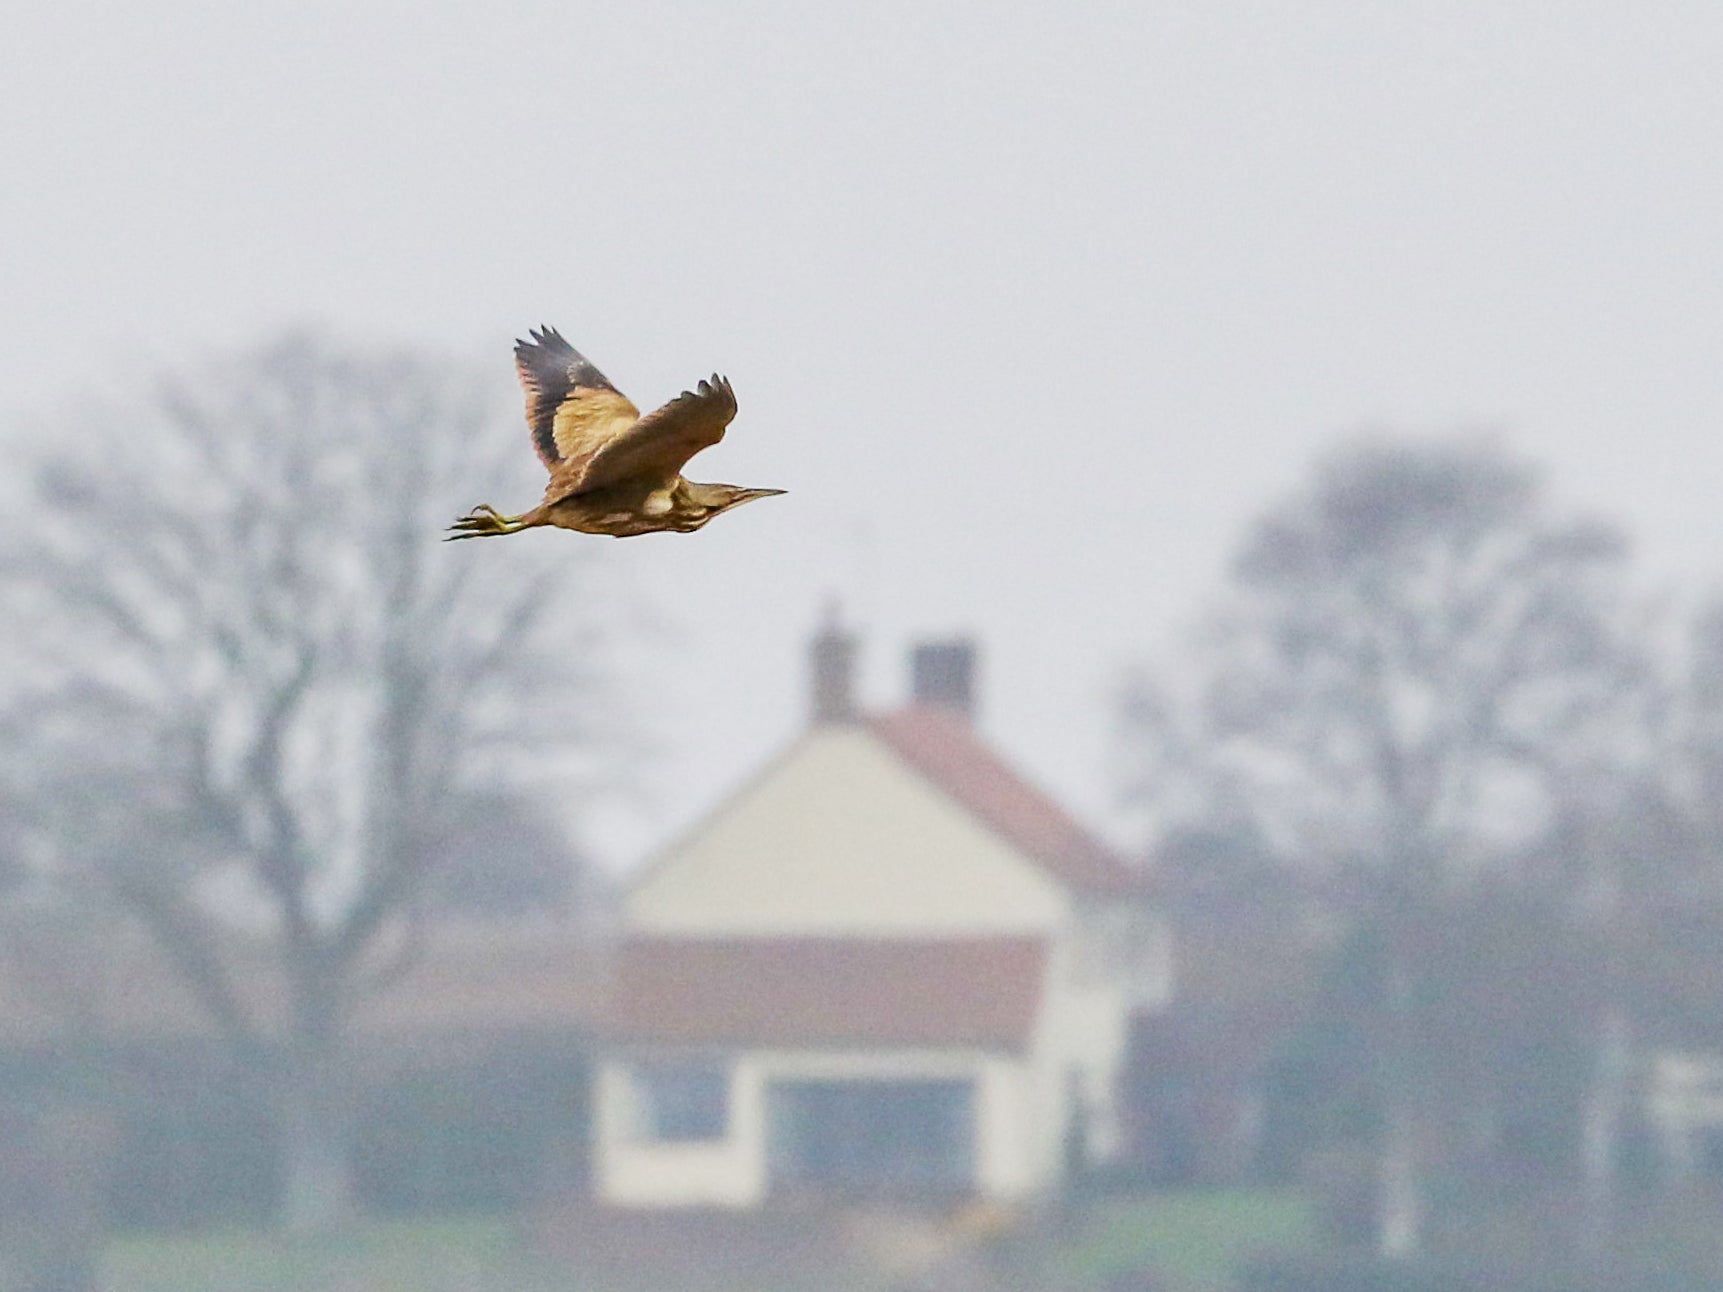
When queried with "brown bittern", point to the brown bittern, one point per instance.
{"points": [[612, 471]]}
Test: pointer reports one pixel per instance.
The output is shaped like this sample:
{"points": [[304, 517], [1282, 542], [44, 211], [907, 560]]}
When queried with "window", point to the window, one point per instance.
{"points": [[682, 1102]]}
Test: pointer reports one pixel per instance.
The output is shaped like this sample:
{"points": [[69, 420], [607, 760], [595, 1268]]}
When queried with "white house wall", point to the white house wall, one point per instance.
{"points": [[1080, 1046], [841, 838], [1115, 961], [1006, 1165], [631, 1172]]}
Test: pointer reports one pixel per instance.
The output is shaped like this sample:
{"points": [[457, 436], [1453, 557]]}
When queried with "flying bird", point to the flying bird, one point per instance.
{"points": [[612, 471]]}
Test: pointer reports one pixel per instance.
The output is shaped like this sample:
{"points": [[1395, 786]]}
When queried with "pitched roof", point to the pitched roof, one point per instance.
{"points": [[827, 991], [492, 974], [943, 748], [469, 977]]}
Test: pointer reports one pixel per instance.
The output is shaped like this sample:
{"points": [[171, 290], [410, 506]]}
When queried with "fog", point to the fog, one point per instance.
{"points": [[1300, 421]]}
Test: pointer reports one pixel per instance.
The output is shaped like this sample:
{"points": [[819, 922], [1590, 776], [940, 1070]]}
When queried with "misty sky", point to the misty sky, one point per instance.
{"points": [[1031, 308]]}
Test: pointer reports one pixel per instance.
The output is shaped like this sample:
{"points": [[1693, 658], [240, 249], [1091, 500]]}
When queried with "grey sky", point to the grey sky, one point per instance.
{"points": [[1031, 308]]}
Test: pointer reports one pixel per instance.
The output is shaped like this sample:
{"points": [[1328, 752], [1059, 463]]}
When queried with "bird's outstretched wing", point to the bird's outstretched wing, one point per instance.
{"points": [[657, 446], [570, 405]]}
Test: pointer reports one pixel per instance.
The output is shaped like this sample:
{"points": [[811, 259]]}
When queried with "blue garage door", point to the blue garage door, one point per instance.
{"points": [[872, 1137]]}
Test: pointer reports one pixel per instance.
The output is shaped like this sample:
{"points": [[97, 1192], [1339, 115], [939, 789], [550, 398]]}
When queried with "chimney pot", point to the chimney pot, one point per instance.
{"points": [[831, 656], [942, 675]]}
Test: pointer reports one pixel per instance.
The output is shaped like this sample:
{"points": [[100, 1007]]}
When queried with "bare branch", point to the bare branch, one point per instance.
{"points": [[1404, 636], [254, 668]]}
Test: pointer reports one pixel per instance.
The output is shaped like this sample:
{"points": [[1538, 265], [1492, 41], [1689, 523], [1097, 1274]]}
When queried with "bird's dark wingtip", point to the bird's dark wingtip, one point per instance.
{"points": [[542, 335]]}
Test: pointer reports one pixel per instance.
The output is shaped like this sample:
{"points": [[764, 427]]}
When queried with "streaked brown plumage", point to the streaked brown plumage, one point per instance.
{"points": [[612, 471]]}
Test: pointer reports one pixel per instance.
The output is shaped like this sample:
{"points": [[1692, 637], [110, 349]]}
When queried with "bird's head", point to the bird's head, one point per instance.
{"points": [[717, 498]]}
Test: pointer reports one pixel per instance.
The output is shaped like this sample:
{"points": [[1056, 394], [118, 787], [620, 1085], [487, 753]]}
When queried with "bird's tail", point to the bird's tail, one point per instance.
{"points": [[485, 521]]}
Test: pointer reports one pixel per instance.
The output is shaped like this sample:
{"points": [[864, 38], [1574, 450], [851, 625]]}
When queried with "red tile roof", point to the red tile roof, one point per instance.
{"points": [[827, 991], [943, 747]]}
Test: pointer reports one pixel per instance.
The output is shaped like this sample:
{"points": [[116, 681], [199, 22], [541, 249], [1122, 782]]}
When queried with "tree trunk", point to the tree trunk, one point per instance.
{"points": [[313, 1126], [1400, 1185], [1400, 1196], [1604, 1104]]}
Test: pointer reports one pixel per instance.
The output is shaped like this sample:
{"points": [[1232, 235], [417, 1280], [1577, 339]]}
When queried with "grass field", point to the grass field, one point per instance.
{"points": [[419, 1256], [1194, 1239]]}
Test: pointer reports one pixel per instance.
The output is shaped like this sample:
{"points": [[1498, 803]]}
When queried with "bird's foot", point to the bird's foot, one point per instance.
{"points": [[484, 521]]}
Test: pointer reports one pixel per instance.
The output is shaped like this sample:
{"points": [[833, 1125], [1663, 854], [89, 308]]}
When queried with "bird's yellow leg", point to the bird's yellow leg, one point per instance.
{"points": [[485, 521]]}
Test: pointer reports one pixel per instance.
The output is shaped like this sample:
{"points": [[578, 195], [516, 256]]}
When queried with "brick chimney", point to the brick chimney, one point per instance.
{"points": [[831, 664], [942, 676]]}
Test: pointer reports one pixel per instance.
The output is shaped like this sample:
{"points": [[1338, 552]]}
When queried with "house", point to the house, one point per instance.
{"points": [[885, 965]]}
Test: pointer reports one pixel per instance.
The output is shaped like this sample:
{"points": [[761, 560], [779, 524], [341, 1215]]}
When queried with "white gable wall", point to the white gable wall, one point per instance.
{"points": [[842, 838]]}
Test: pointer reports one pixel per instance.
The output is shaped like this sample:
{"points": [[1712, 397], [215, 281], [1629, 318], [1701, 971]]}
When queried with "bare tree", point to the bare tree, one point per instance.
{"points": [[1415, 659], [256, 683]]}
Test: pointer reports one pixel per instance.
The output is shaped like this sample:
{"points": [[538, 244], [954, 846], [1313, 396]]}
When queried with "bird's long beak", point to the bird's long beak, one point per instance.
{"points": [[748, 495]]}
